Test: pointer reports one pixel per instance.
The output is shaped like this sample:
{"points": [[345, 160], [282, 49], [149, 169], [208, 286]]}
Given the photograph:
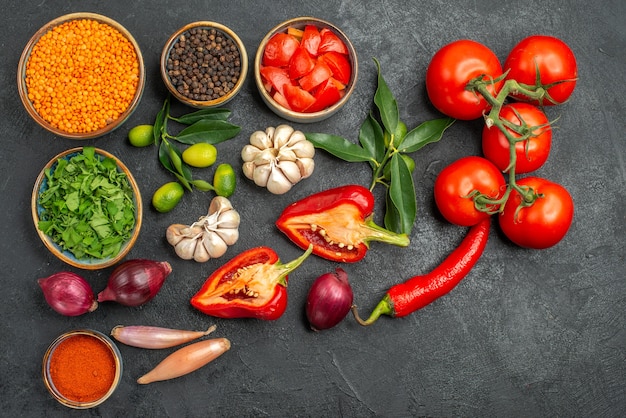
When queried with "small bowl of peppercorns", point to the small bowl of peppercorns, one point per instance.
{"points": [[204, 64], [305, 69]]}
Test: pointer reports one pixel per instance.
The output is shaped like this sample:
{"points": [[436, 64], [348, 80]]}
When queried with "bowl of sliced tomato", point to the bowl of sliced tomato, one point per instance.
{"points": [[305, 69]]}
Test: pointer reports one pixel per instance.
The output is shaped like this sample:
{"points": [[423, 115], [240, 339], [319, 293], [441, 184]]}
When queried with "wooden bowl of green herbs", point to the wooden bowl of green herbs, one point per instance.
{"points": [[87, 208]]}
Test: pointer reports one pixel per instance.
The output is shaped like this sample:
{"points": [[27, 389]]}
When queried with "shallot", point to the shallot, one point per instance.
{"points": [[329, 300], [135, 282], [68, 293], [186, 360], [155, 337]]}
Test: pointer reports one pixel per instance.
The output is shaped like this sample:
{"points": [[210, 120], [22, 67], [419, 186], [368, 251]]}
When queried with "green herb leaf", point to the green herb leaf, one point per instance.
{"points": [[371, 137], [207, 130], [339, 147], [402, 194], [210, 114], [202, 185], [426, 133], [386, 103], [160, 123]]}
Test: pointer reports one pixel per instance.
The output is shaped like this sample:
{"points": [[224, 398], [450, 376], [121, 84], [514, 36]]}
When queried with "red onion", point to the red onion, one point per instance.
{"points": [[68, 293], [329, 300], [135, 282]]}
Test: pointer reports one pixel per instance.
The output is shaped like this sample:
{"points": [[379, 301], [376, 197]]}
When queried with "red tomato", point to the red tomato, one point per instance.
{"points": [[449, 71], [531, 153], [299, 99], [279, 50], [311, 39], [339, 65], [326, 95], [301, 63], [554, 60], [331, 42], [458, 180], [277, 77], [320, 73], [543, 224]]}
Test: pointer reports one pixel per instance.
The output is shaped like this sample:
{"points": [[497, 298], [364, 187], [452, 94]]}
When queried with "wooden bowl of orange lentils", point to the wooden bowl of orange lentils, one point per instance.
{"points": [[81, 75]]}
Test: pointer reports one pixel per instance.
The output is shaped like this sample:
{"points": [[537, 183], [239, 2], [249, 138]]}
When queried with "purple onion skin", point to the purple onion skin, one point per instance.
{"points": [[68, 293], [329, 300], [135, 282]]}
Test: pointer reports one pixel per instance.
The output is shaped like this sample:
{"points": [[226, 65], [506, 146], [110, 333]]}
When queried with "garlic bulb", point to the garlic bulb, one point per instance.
{"points": [[210, 236], [278, 158]]}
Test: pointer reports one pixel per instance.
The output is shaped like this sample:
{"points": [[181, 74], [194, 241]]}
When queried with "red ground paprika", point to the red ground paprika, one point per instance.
{"points": [[419, 291], [337, 222], [251, 285], [82, 368]]}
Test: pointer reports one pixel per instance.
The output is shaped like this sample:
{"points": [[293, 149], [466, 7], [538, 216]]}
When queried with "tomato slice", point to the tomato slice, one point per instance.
{"points": [[320, 73], [326, 95], [299, 99], [301, 63], [279, 50], [311, 39], [277, 77], [281, 100], [339, 65], [331, 42]]}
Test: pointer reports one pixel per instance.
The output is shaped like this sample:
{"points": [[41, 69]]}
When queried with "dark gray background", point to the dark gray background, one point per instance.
{"points": [[527, 333]]}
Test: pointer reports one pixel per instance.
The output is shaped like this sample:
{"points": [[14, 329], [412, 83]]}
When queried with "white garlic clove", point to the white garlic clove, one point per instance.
{"points": [[229, 219], [248, 170], [185, 248], [200, 254], [262, 174], [296, 136], [306, 165], [173, 233], [214, 244], [249, 152], [303, 149], [286, 154], [291, 171], [269, 131], [282, 135], [265, 157], [277, 183], [219, 204], [261, 140], [229, 236]]}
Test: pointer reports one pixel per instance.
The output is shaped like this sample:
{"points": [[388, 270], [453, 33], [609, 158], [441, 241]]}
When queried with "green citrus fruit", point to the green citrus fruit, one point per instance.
{"points": [[167, 196], [141, 136], [200, 155], [224, 180]]}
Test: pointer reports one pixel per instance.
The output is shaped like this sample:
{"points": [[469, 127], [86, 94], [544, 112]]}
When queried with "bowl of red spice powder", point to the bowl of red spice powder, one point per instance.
{"points": [[204, 64], [81, 75], [82, 368]]}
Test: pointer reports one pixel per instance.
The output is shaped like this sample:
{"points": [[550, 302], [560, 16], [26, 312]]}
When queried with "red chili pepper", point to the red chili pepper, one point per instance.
{"points": [[338, 224], [419, 291], [251, 285]]}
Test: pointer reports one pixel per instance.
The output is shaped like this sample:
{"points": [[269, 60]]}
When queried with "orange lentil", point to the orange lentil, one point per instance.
{"points": [[82, 75]]}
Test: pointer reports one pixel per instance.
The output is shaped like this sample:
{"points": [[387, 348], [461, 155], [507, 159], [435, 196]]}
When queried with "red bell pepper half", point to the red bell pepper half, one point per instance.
{"points": [[251, 285], [338, 223]]}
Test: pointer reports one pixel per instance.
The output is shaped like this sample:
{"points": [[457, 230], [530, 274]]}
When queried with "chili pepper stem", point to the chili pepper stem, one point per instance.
{"points": [[285, 269], [384, 307], [378, 233]]}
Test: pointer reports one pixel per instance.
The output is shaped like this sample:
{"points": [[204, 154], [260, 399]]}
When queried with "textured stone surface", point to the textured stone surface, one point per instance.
{"points": [[527, 333]]}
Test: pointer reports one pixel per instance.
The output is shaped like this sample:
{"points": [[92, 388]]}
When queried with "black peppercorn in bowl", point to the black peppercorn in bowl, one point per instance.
{"points": [[204, 64], [305, 69]]}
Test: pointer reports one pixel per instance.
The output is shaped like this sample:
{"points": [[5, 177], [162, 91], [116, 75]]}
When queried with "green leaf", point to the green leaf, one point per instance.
{"points": [[160, 123], [392, 216], [339, 147], [426, 133], [209, 131], [386, 103], [210, 114], [402, 194], [202, 185], [372, 139]]}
